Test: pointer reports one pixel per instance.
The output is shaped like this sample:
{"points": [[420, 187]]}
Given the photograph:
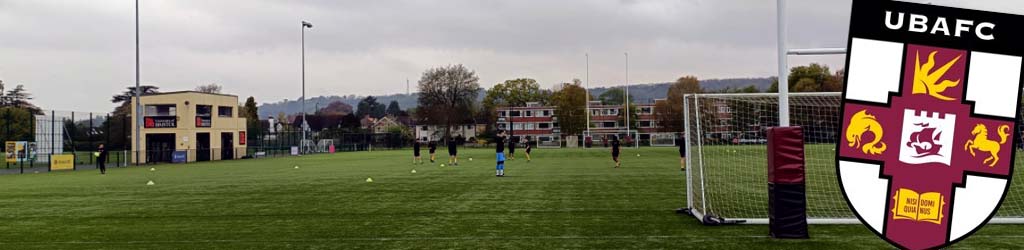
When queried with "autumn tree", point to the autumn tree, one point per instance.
{"points": [[446, 96], [669, 112], [570, 101]]}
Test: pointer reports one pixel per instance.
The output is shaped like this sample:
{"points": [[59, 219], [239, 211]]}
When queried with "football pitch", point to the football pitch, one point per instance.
{"points": [[564, 198]]}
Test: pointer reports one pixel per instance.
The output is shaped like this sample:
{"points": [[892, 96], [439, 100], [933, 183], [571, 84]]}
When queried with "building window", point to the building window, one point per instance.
{"points": [[469, 126], [424, 128], [161, 110], [554, 124], [645, 124], [608, 124], [724, 109], [528, 126], [547, 113], [544, 125], [225, 111], [502, 125], [646, 110], [514, 113], [529, 113], [517, 126], [501, 113], [204, 110]]}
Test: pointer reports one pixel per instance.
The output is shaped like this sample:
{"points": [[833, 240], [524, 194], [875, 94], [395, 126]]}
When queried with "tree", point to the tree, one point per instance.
{"points": [[570, 101], [515, 92], [812, 78], [18, 98], [250, 112], [393, 109], [212, 88], [614, 96], [446, 95], [370, 106], [127, 96], [670, 111], [16, 124], [336, 108]]}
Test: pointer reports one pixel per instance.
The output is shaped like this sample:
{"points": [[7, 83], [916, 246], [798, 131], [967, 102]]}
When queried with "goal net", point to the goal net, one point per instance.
{"points": [[603, 139], [663, 139], [727, 155], [553, 141]]}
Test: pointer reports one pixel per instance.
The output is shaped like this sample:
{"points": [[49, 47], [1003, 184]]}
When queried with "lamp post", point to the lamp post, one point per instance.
{"points": [[304, 124], [138, 90]]}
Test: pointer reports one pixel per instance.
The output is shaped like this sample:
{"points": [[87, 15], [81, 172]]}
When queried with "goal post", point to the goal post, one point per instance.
{"points": [[664, 139], [602, 139], [727, 158]]}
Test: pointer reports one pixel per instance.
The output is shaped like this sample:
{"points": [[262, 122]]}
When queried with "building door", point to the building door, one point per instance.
{"points": [[202, 146], [227, 146], [159, 147]]}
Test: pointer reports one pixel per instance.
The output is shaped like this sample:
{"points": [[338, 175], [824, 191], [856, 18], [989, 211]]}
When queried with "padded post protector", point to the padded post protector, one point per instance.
{"points": [[787, 197], [786, 155]]}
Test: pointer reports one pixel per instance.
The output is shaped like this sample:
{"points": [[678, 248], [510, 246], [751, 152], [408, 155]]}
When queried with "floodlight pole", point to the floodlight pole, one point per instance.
{"points": [[783, 65], [138, 90], [304, 124]]}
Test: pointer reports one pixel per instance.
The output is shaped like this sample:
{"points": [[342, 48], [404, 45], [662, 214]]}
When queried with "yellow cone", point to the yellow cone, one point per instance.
{"points": [[150, 183], [413, 171], [152, 169], [369, 180]]}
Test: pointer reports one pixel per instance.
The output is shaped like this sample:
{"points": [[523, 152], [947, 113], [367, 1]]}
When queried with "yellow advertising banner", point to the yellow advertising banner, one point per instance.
{"points": [[62, 162], [11, 152]]}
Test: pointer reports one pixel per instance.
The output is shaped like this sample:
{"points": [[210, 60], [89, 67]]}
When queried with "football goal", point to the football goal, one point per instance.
{"points": [[727, 155], [664, 139], [602, 139]]}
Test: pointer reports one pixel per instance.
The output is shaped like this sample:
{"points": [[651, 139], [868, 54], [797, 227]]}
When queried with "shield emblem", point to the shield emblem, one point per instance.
{"points": [[931, 101]]}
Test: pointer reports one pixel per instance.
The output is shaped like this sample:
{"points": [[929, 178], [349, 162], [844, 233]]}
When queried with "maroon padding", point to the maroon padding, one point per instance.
{"points": [[786, 155]]}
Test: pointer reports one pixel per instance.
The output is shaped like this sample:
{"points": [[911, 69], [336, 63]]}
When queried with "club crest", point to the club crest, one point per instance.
{"points": [[926, 151]]}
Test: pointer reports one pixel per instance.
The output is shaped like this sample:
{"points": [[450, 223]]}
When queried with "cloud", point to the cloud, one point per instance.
{"points": [[75, 54]]}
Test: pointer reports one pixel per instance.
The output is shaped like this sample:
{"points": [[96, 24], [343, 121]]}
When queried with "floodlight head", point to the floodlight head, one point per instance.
{"points": [[307, 24]]}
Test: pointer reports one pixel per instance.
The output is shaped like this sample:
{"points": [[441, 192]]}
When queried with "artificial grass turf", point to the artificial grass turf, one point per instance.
{"points": [[564, 198]]}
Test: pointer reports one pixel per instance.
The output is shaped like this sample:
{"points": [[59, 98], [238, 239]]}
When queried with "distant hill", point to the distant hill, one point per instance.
{"points": [[642, 93]]}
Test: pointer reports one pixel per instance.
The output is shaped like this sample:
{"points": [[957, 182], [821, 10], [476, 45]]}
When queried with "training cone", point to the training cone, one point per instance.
{"points": [[150, 183], [470, 158], [442, 164], [413, 171], [296, 167], [152, 169], [369, 180], [637, 155]]}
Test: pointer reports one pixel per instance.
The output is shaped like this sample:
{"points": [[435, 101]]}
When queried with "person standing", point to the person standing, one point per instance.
{"points": [[615, 151], [529, 147], [500, 154], [432, 145], [681, 142], [511, 148], [453, 151], [101, 159], [416, 159]]}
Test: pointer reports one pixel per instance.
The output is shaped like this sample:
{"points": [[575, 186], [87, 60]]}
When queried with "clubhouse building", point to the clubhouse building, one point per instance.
{"points": [[189, 126]]}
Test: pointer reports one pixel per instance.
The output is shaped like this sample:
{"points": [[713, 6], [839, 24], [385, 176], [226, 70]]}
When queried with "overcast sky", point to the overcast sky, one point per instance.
{"points": [[74, 54]]}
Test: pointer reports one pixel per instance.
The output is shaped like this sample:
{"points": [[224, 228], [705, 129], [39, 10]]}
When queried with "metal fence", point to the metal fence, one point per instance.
{"points": [[38, 139]]}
